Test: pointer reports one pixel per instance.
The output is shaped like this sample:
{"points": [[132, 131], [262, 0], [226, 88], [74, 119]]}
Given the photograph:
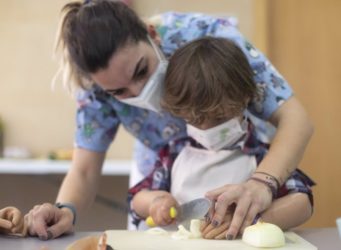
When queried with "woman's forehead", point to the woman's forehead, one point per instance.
{"points": [[122, 65]]}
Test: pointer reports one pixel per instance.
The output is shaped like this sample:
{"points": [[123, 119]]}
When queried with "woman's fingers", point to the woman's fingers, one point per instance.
{"points": [[251, 215], [210, 212], [241, 212], [62, 225], [47, 221], [224, 201], [213, 194]]}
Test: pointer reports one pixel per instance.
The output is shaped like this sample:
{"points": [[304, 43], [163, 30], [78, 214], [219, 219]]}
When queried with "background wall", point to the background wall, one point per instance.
{"points": [[43, 120], [304, 37], [35, 116], [251, 14]]}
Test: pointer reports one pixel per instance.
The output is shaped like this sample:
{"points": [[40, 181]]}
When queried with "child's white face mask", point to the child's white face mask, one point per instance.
{"points": [[150, 96], [221, 136]]}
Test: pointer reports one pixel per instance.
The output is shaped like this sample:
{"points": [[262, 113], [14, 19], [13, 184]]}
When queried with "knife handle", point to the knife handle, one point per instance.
{"points": [[172, 213]]}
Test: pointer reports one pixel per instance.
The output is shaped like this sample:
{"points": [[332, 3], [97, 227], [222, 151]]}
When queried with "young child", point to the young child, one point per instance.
{"points": [[209, 84], [12, 222]]}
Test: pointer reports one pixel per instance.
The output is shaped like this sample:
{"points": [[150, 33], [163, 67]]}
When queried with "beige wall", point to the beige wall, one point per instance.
{"points": [[36, 117], [43, 120], [251, 14], [304, 42]]}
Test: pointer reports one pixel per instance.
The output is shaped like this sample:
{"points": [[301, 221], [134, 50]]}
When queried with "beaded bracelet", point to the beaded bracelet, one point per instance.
{"points": [[273, 189], [269, 177]]}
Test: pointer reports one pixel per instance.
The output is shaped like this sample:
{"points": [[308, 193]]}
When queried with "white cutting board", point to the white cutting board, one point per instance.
{"points": [[141, 240]]}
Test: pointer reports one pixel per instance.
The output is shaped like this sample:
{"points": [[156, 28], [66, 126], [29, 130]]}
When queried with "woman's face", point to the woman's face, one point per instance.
{"points": [[128, 70]]}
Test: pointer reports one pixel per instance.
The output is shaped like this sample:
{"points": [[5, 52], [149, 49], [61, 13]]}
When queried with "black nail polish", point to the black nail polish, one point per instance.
{"points": [[207, 218], [229, 237], [49, 235], [43, 237], [215, 223]]}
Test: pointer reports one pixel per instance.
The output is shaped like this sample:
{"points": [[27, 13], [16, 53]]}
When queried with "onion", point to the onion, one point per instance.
{"points": [[183, 233], [264, 235]]}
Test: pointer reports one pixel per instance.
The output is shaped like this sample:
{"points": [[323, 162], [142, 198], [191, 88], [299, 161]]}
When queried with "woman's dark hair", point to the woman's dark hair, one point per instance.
{"points": [[91, 32]]}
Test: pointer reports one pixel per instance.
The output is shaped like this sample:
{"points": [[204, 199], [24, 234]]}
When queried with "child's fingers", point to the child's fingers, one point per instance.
{"points": [[221, 236], [216, 231], [207, 229], [5, 224], [164, 216], [204, 224]]}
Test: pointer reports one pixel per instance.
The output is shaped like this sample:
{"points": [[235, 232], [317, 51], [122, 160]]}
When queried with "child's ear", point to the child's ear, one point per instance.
{"points": [[153, 34]]}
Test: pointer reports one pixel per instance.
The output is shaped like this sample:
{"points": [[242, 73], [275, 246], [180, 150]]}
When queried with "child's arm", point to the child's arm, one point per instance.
{"points": [[155, 204], [286, 212]]}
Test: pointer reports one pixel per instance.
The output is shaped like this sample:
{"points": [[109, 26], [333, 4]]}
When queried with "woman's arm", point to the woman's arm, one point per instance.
{"points": [[81, 182], [294, 130]]}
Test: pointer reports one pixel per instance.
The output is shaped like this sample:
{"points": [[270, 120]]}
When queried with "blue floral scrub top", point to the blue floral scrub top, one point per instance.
{"points": [[99, 114]]}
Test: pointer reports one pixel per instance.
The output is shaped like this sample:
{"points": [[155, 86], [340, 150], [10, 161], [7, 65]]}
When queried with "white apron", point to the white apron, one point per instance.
{"points": [[197, 171]]}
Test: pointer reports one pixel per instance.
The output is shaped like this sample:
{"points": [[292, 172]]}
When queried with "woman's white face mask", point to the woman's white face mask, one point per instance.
{"points": [[221, 136], [150, 96]]}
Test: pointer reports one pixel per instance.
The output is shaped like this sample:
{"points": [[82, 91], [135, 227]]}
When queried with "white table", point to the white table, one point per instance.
{"points": [[44, 166], [322, 238]]}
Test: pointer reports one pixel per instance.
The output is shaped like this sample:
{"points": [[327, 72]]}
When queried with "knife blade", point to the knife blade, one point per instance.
{"points": [[194, 209]]}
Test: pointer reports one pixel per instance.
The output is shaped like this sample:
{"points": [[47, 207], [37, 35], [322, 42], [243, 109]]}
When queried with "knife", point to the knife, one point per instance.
{"points": [[194, 209]]}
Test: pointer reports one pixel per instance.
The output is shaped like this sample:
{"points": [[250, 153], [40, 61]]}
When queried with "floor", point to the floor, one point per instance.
{"points": [[108, 212]]}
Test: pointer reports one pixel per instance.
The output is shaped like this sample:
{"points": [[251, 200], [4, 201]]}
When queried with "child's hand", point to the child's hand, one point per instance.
{"points": [[12, 222], [159, 209], [210, 231]]}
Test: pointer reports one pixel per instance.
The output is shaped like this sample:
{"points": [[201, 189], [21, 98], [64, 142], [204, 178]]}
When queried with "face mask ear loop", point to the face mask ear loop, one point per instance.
{"points": [[159, 55]]}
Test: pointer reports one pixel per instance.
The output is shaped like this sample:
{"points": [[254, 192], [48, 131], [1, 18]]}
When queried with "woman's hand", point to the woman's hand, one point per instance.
{"points": [[12, 222], [249, 198], [160, 207], [47, 221]]}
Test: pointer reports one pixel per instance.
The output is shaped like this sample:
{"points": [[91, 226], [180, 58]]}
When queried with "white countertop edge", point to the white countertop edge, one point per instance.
{"points": [[44, 166]]}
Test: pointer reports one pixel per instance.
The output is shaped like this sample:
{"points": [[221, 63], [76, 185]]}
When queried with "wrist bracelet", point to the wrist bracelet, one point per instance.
{"points": [[270, 185], [69, 206], [270, 177]]}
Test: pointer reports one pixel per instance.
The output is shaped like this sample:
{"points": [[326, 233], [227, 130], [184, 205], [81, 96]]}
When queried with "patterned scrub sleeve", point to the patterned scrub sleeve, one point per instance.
{"points": [[97, 122]]}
